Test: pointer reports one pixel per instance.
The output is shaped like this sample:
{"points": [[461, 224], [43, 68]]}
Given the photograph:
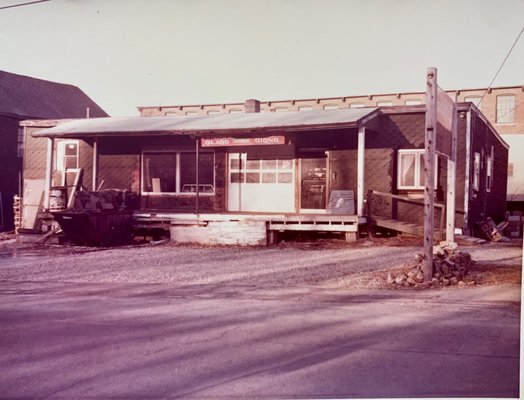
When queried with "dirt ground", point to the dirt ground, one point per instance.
{"points": [[328, 263]]}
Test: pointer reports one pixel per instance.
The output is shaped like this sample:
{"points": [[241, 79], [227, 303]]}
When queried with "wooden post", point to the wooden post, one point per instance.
{"points": [[197, 199], [429, 169], [48, 172], [467, 174], [451, 176], [95, 163], [360, 170]]}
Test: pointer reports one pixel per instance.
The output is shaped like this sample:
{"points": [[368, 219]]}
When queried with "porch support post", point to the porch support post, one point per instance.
{"points": [[48, 172], [197, 199], [452, 167], [95, 164], [360, 170]]}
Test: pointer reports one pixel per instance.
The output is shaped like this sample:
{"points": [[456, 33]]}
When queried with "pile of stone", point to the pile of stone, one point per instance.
{"points": [[450, 266]]}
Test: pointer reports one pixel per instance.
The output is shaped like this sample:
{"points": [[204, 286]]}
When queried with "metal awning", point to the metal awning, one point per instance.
{"points": [[211, 124]]}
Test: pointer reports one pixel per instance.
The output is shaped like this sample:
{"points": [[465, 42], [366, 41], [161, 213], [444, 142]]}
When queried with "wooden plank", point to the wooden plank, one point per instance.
{"points": [[351, 237], [317, 218], [405, 198], [399, 226], [313, 228], [451, 178]]}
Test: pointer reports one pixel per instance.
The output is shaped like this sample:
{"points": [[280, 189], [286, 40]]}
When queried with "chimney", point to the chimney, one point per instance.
{"points": [[252, 106]]}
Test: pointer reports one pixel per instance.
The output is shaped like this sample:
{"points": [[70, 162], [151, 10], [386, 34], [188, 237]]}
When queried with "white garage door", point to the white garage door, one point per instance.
{"points": [[263, 185]]}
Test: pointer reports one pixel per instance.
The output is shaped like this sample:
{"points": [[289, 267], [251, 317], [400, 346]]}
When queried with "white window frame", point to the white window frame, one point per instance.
{"points": [[243, 170], [178, 190], [20, 142], [61, 155], [305, 108], [384, 103], [506, 114], [476, 171], [357, 105], [419, 169], [413, 102], [489, 169], [330, 106]]}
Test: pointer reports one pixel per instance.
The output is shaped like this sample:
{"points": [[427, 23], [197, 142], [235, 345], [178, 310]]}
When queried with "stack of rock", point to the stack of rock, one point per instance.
{"points": [[450, 266]]}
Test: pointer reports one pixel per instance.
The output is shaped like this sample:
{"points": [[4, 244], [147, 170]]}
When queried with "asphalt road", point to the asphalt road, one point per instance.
{"points": [[71, 340]]}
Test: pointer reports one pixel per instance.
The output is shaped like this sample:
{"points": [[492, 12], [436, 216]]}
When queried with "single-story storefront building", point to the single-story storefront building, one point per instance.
{"points": [[242, 178]]}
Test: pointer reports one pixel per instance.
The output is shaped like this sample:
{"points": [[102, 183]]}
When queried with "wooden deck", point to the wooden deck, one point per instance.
{"points": [[403, 227], [275, 223]]}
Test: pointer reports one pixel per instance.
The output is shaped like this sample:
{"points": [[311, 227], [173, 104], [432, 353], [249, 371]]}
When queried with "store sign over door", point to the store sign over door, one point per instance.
{"points": [[253, 141]]}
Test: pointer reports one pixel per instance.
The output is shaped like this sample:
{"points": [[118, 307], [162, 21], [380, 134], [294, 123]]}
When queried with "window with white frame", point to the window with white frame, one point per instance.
{"points": [[384, 103], [261, 171], [330, 107], [67, 155], [410, 172], [20, 142], [175, 172], [305, 108], [489, 169], [413, 102], [281, 109], [357, 105], [213, 112], [473, 99], [476, 171], [505, 109]]}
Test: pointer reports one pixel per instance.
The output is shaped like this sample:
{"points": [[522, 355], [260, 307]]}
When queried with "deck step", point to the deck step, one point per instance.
{"points": [[403, 227]]}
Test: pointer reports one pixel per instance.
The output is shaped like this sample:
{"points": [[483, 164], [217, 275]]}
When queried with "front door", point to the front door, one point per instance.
{"points": [[313, 184]]}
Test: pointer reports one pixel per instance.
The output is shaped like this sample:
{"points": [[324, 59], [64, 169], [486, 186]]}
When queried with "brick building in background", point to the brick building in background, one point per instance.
{"points": [[502, 106], [21, 98]]}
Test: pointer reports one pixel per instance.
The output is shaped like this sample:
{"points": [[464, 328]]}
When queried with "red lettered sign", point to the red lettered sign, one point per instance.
{"points": [[233, 141]]}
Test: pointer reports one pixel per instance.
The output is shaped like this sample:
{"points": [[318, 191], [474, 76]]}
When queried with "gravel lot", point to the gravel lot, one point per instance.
{"points": [[331, 264]]}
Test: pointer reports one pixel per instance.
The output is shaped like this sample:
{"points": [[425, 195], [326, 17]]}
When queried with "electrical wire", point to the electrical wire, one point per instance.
{"points": [[23, 4], [502, 65], [509, 111]]}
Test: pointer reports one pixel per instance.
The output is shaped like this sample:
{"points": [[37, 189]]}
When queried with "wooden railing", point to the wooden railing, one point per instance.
{"points": [[410, 200]]}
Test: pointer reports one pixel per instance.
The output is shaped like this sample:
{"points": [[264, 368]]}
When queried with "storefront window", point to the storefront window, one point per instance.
{"points": [[160, 173], [176, 172], [205, 172]]}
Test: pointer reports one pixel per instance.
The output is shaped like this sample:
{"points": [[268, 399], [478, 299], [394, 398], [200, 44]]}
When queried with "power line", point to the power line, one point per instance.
{"points": [[503, 62], [23, 4], [512, 110]]}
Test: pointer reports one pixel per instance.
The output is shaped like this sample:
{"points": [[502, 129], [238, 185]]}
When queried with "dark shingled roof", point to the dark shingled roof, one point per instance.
{"points": [[27, 97]]}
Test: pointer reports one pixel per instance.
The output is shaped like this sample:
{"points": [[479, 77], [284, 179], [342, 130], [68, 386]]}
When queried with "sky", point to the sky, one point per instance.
{"points": [[129, 53]]}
